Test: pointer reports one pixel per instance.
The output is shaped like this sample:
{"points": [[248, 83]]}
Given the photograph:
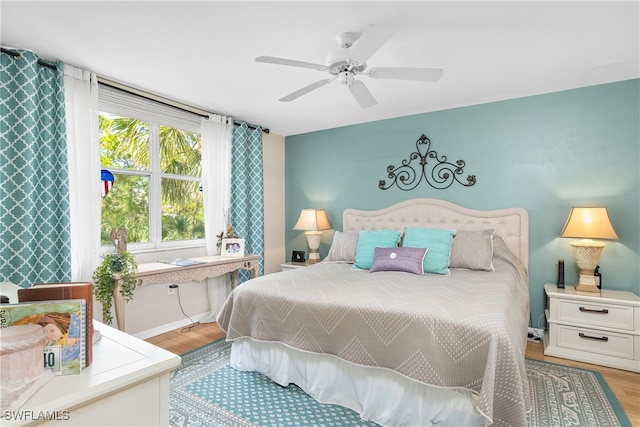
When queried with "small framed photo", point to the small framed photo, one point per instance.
{"points": [[297, 256], [232, 247]]}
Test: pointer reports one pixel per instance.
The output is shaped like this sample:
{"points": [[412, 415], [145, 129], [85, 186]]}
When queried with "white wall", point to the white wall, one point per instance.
{"points": [[274, 217], [152, 311]]}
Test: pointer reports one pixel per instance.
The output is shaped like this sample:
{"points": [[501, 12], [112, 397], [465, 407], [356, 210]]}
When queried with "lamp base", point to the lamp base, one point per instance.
{"points": [[587, 253], [587, 288], [314, 256], [587, 283], [313, 238]]}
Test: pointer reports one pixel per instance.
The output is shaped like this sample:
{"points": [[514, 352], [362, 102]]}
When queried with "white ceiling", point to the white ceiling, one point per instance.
{"points": [[202, 53]]}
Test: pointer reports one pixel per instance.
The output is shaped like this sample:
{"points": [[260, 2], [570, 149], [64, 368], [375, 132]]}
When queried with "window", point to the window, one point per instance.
{"points": [[153, 152]]}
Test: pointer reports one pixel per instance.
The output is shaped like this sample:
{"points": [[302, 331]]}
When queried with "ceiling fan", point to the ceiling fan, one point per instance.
{"points": [[350, 61]]}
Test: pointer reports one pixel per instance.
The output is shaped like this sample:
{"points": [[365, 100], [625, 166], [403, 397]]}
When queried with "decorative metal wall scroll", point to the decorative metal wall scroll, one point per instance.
{"points": [[440, 176]]}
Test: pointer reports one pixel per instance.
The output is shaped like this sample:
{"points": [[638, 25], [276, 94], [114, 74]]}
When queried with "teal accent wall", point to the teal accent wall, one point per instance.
{"points": [[545, 153]]}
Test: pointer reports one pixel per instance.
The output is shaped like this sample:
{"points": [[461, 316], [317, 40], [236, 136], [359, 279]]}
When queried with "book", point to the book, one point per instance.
{"points": [[64, 291], [64, 324], [182, 262]]}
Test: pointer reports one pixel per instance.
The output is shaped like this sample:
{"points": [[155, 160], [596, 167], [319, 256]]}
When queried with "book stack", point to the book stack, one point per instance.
{"points": [[66, 291]]}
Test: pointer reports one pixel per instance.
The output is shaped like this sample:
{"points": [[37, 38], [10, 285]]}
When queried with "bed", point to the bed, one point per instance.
{"points": [[400, 348]]}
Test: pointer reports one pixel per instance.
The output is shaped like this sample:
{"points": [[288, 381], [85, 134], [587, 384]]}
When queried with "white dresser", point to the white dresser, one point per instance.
{"points": [[601, 329], [126, 385]]}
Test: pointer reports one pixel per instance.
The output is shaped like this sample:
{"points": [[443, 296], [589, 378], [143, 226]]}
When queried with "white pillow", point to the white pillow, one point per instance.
{"points": [[343, 248]]}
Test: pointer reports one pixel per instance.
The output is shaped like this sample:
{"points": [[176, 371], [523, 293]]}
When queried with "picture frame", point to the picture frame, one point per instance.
{"points": [[297, 256], [232, 247]]}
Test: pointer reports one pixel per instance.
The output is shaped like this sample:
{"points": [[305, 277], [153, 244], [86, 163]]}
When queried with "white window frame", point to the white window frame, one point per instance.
{"points": [[119, 102]]}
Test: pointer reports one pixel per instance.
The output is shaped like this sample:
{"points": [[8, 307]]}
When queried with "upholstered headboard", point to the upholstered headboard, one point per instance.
{"points": [[511, 224]]}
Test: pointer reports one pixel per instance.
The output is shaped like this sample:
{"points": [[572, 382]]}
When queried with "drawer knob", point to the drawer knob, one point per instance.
{"points": [[590, 310], [581, 335]]}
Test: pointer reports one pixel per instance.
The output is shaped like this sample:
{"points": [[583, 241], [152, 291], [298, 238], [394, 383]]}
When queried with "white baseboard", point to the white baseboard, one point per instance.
{"points": [[143, 335]]}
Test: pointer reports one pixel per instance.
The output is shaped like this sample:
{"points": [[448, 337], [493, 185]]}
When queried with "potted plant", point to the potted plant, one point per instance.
{"points": [[122, 263], [125, 266]]}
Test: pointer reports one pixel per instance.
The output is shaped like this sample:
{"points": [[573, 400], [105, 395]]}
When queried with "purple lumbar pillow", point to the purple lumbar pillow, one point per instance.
{"points": [[404, 259]]}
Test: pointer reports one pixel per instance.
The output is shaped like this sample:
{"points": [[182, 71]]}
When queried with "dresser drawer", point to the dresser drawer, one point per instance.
{"points": [[594, 314], [593, 341]]}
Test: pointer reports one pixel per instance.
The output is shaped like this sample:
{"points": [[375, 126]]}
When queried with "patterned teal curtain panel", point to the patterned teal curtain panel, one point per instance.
{"points": [[247, 191], [35, 243]]}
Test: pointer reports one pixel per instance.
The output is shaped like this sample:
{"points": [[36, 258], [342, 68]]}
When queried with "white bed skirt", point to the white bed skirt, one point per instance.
{"points": [[377, 394]]}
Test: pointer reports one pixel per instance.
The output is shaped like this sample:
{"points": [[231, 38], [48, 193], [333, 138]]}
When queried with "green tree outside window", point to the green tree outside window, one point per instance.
{"points": [[128, 150]]}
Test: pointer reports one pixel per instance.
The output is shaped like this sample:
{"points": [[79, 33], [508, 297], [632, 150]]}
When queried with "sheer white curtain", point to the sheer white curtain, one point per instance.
{"points": [[81, 105], [216, 177]]}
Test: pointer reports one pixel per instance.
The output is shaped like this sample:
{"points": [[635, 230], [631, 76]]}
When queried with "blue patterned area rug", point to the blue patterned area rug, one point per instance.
{"points": [[206, 391]]}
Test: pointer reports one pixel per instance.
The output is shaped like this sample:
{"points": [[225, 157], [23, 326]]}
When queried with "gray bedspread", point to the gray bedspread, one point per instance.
{"points": [[467, 329]]}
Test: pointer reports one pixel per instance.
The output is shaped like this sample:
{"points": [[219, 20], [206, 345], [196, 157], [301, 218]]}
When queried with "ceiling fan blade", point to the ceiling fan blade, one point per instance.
{"points": [[419, 74], [298, 93], [362, 94], [372, 38], [291, 62]]}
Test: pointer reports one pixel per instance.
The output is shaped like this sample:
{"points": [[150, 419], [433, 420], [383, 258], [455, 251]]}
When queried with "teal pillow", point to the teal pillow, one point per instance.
{"points": [[368, 240], [438, 242]]}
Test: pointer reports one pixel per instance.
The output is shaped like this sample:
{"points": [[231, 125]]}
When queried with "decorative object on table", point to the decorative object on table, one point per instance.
{"points": [[560, 274], [119, 238], [232, 247], [440, 175], [182, 262], [123, 264], [588, 223], [313, 222], [22, 372], [297, 256], [64, 325], [229, 233], [66, 291], [598, 277]]}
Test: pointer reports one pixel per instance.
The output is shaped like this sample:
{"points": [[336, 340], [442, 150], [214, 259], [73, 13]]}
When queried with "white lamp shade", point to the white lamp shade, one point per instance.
{"points": [[589, 223], [312, 220]]}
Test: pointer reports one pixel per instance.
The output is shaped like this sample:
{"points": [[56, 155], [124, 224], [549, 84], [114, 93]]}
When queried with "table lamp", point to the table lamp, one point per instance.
{"points": [[587, 224], [313, 222]]}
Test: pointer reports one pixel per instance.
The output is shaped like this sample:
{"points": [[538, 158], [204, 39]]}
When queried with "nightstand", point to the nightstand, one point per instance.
{"points": [[601, 329], [291, 265]]}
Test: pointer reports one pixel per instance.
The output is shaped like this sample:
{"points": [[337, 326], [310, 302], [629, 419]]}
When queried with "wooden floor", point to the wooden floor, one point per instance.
{"points": [[625, 385]]}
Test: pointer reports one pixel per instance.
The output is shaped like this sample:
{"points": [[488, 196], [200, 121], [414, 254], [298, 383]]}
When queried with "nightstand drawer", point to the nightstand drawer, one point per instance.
{"points": [[594, 314], [594, 341]]}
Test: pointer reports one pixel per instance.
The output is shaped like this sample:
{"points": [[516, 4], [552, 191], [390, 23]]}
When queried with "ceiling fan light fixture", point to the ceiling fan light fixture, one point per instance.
{"points": [[338, 61], [346, 78]]}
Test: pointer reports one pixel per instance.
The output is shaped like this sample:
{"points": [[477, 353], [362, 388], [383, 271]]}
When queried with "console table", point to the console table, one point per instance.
{"points": [[162, 273]]}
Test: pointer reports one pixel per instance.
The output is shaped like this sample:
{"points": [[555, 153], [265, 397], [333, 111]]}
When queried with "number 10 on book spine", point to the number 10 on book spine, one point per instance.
{"points": [[52, 358]]}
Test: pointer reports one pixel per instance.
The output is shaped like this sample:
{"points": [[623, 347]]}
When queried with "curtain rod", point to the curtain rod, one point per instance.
{"points": [[41, 61], [163, 100]]}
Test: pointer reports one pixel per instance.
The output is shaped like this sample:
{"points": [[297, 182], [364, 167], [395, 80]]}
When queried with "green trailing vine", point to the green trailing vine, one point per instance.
{"points": [[122, 263]]}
